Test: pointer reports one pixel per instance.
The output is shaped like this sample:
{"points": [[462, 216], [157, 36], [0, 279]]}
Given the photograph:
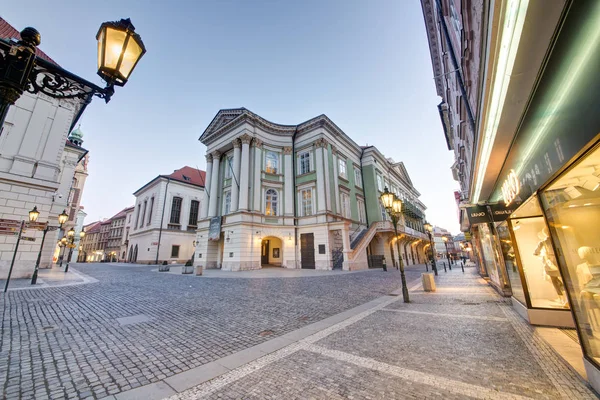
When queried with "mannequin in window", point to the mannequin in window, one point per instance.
{"points": [[588, 281], [545, 252]]}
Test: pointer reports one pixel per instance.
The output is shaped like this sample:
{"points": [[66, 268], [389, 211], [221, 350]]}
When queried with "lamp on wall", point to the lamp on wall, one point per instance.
{"points": [[258, 235]]}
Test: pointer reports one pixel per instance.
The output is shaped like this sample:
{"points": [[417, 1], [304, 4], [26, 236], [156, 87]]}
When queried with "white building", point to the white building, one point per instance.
{"points": [[34, 169], [165, 218], [299, 196], [124, 245]]}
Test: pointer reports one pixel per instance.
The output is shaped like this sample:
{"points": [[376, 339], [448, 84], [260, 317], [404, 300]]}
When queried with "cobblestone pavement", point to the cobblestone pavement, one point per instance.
{"points": [[50, 277], [133, 326], [464, 341]]}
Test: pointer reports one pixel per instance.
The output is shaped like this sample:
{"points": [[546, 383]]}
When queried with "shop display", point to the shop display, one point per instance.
{"points": [[546, 254], [572, 207], [511, 262]]}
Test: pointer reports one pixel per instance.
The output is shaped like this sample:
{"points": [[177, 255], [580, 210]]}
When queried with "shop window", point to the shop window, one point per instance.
{"points": [[491, 258], [572, 208]]}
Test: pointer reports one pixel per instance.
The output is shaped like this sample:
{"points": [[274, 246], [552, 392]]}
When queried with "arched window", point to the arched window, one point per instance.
{"points": [[271, 202]]}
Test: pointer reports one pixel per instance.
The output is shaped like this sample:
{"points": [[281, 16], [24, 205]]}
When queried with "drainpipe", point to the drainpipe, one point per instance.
{"points": [[295, 195], [362, 178], [162, 217], [459, 77]]}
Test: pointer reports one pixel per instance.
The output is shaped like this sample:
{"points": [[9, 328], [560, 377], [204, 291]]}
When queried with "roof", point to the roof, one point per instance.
{"points": [[187, 175], [7, 31], [92, 228], [122, 213]]}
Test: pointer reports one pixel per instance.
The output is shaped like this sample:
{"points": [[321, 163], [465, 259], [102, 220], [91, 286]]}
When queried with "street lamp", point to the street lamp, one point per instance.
{"points": [[445, 239], [393, 206], [62, 218], [70, 244], [33, 216], [119, 50], [429, 230]]}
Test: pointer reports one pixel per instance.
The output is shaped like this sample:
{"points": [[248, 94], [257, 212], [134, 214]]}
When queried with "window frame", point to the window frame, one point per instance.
{"points": [[228, 167], [173, 248], [273, 210], [357, 177], [303, 202], [342, 168], [194, 221], [345, 209], [275, 158], [180, 207], [150, 211], [301, 161], [227, 203]]}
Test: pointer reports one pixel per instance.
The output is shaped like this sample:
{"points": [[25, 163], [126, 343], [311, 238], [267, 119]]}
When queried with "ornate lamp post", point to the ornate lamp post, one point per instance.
{"points": [[429, 229], [119, 50], [445, 239], [33, 216], [62, 218], [393, 206], [71, 245]]}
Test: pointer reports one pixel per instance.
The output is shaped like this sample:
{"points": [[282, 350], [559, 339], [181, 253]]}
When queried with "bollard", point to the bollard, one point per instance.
{"points": [[443, 262], [426, 267], [462, 266], [450, 264]]}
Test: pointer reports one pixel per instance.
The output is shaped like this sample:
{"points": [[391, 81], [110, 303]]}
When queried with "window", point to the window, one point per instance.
{"points": [[362, 217], [193, 221], [357, 177], [271, 202], [342, 168], [176, 210], [379, 183], [345, 203], [271, 162], [306, 202], [228, 167], [144, 213], [137, 216], [174, 251], [227, 203], [304, 159], [384, 215], [150, 211]]}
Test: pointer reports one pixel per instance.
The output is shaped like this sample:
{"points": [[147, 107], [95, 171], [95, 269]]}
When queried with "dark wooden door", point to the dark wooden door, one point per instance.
{"points": [[264, 254], [307, 250]]}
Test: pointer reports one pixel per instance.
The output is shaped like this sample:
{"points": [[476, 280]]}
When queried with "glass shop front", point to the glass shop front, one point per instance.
{"points": [[551, 243]]}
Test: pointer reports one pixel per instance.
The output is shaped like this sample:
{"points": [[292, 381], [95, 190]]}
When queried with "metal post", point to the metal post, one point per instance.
{"points": [[444, 263], [39, 257], [448, 256], [61, 254], [434, 266], [12, 263], [462, 266], [69, 259], [402, 276]]}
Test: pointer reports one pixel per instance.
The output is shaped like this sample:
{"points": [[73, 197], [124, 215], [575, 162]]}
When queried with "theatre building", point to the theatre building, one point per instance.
{"points": [[300, 196]]}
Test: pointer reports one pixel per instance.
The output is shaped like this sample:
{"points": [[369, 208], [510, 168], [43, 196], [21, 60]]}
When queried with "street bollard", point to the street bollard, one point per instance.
{"points": [[462, 266], [450, 264], [443, 262], [426, 267]]}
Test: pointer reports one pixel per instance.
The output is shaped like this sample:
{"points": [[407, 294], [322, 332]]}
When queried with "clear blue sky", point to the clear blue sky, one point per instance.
{"points": [[365, 64]]}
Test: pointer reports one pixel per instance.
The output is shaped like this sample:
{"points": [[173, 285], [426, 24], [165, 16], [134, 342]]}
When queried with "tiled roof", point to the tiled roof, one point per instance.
{"points": [[121, 214], [92, 228], [188, 175], [7, 31]]}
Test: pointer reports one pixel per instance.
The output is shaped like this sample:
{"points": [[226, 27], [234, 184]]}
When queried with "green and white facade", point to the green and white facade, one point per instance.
{"points": [[299, 196]]}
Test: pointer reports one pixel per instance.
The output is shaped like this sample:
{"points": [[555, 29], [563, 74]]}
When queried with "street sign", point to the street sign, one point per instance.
{"points": [[9, 221], [15, 233], [28, 239], [36, 225]]}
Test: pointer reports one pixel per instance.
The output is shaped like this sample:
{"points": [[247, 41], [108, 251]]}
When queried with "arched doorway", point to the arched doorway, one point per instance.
{"points": [[135, 250], [271, 253]]}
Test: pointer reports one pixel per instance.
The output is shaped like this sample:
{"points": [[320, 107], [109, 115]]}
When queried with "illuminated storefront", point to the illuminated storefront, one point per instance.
{"points": [[548, 169]]}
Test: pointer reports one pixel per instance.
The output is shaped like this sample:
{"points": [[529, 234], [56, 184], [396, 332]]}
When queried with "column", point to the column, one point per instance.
{"points": [[235, 181], [336, 184], [214, 184], [288, 181], [320, 168], [245, 174], [327, 177], [207, 179], [257, 143]]}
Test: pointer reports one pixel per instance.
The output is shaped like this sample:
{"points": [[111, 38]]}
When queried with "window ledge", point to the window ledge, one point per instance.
{"points": [[344, 179]]}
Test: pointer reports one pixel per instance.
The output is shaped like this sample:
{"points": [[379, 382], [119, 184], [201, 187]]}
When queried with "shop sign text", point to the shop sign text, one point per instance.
{"points": [[511, 187]]}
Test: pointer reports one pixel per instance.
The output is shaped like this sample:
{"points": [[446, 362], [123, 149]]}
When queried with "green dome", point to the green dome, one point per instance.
{"points": [[76, 135]]}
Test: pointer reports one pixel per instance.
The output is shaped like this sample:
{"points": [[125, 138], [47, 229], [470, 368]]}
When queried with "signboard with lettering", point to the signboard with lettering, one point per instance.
{"points": [[500, 212], [478, 215], [28, 239], [214, 231]]}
